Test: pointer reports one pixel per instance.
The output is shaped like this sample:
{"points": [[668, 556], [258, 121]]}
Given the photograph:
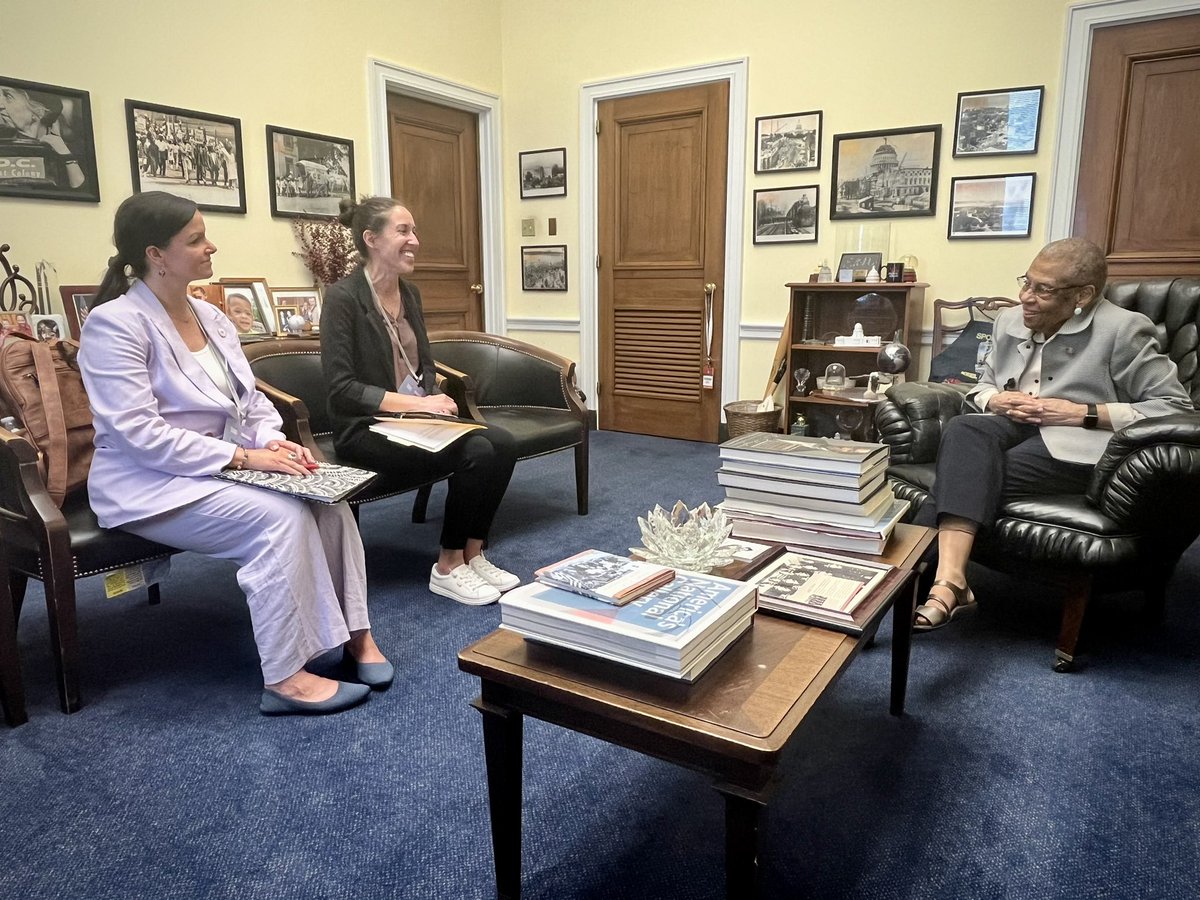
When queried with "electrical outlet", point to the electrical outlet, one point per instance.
{"points": [[528, 228]]}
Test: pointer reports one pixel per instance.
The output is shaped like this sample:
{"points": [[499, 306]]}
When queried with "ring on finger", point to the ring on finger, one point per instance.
{"points": [[291, 456]]}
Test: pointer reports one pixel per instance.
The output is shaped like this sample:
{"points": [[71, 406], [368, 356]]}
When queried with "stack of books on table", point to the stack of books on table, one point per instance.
{"points": [[809, 492], [823, 589], [678, 630]]}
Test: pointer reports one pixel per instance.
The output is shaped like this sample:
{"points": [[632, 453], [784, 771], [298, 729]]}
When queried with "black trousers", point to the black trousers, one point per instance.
{"points": [[985, 461], [479, 467]]}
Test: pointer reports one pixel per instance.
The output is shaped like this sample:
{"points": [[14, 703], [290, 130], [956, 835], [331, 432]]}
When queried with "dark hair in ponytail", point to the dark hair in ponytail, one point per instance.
{"points": [[144, 220], [368, 214]]}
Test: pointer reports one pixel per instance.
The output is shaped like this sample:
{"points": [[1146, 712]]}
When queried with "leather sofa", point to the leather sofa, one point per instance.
{"points": [[1141, 509]]}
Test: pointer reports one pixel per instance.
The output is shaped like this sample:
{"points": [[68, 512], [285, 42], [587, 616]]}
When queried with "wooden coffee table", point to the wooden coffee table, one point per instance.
{"points": [[731, 724]]}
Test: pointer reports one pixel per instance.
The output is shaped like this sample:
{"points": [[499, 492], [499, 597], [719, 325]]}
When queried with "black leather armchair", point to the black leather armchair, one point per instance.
{"points": [[1141, 509]]}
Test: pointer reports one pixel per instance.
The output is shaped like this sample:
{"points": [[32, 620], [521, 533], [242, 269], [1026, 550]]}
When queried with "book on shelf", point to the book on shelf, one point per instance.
{"points": [[605, 576], [815, 490], [824, 589], [327, 483], [677, 629], [429, 431], [770, 470], [873, 506], [822, 454], [795, 534]]}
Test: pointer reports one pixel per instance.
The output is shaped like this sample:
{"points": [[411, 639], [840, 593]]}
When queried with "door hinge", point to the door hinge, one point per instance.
{"points": [[597, 260], [597, 126]]}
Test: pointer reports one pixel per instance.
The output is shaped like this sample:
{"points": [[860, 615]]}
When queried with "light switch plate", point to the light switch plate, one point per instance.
{"points": [[552, 228], [527, 227]]}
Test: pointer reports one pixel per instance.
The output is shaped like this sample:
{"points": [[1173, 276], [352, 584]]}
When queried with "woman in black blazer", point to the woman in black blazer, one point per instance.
{"points": [[376, 357]]}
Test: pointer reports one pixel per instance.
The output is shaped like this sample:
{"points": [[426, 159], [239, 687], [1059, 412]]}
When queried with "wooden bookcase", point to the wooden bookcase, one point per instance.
{"points": [[819, 311]]}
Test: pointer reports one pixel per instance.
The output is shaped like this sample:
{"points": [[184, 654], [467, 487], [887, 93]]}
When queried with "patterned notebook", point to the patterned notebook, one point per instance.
{"points": [[328, 484]]}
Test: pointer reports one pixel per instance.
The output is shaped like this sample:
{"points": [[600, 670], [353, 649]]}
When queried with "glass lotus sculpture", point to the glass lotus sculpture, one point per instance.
{"points": [[691, 539]]}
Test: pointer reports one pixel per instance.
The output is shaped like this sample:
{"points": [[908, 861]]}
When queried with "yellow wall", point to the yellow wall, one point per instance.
{"points": [[868, 64]]}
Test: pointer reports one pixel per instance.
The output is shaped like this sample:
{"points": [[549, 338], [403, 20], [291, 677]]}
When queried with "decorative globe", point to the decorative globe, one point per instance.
{"points": [[295, 324], [893, 358]]}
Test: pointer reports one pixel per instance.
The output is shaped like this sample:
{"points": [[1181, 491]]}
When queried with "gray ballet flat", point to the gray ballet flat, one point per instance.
{"points": [[377, 676], [346, 696]]}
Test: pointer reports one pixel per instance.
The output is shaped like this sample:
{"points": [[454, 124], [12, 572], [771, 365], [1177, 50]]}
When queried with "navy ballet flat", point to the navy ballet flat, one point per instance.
{"points": [[346, 696], [377, 676]]}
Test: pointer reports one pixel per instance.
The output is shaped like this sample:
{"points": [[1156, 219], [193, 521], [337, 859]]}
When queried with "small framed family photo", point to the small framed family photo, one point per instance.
{"points": [[305, 301], [309, 174], [193, 154], [76, 301], [544, 268], [787, 143], [544, 173], [209, 293], [885, 174], [786, 215], [248, 305], [15, 323], [991, 206], [47, 149], [994, 123], [50, 327]]}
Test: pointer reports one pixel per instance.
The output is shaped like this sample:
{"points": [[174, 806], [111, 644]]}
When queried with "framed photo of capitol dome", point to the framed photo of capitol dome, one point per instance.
{"points": [[885, 174]]}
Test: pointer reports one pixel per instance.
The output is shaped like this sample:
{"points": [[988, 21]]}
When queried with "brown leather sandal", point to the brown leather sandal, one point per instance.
{"points": [[937, 613]]}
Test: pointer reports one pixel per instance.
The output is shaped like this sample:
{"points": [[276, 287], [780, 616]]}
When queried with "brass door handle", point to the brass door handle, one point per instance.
{"points": [[476, 289]]}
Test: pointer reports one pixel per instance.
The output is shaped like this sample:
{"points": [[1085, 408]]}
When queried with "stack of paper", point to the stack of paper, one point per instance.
{"points": [[425, 430]]}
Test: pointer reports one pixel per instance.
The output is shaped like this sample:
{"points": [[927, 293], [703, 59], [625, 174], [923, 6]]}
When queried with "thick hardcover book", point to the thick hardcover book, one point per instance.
{"points": [[425, 430], [873, 507], [605, 576], [327, 484], [808, 476], [804, 452], [823, 589], [814, 490], [795, 534], [756, 509]]}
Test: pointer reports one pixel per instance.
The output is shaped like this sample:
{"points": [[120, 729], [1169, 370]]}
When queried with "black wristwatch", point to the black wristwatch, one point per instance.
{"points": [[1091, 418]]}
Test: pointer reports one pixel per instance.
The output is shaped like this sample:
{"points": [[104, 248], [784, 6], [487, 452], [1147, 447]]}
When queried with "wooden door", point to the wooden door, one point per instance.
{"points": [[662, 160], [1139, 173], [434, 153]]}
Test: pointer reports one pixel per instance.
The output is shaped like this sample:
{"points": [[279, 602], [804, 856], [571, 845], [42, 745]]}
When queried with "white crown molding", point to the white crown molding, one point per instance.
{"points": [[542, 323]]}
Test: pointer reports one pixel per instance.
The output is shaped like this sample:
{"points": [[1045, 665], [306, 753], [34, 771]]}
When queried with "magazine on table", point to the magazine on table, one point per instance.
{"points": [[818, 587], [605, 576], [328, 483], [805, 452], [429, 431]]}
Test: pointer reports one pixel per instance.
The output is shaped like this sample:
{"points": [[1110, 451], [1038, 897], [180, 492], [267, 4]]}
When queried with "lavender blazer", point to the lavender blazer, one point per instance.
{"points": [[160, 421]]}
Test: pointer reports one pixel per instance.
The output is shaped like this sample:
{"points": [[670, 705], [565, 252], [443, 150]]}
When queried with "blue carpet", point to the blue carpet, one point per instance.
{"points": [[1003, 780]]}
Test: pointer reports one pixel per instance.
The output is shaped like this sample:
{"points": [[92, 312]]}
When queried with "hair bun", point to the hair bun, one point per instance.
{"points": [[346, 209], [114, 261]]}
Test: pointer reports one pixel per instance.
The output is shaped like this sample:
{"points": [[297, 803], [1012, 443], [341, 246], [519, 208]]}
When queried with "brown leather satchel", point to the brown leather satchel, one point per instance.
{"points": [[41, 385]]}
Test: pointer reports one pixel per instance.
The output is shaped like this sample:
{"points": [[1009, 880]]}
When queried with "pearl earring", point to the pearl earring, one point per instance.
{"points": [[1079, 310]]}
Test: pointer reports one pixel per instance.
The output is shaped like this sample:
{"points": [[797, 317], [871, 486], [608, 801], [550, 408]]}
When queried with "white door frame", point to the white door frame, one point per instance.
{"points": [[590, 95], [1082, 20], [384, 78]]}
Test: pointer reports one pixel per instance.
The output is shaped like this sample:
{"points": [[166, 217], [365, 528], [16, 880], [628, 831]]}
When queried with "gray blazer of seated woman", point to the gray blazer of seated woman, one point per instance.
{"points": [[1067, 368]]}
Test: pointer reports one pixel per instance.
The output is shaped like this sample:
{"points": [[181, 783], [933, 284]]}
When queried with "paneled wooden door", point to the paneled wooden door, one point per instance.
{"points": [[661, 171], [1139, 170], [434, 154]]}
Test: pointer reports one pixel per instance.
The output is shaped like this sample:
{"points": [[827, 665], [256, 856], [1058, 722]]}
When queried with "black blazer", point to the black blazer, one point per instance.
{"points": [[356, 353]]}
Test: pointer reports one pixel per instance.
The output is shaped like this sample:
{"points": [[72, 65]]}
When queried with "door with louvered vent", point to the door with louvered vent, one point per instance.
{"points": [[661, 170]]}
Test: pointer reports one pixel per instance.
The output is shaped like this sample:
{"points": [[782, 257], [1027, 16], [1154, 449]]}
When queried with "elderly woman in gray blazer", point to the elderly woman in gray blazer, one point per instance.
{"points": [[1067, 369]]}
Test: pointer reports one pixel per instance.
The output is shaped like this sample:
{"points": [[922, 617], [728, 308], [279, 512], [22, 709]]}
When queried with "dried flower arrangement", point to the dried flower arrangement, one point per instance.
{"points": [[326, 247]]}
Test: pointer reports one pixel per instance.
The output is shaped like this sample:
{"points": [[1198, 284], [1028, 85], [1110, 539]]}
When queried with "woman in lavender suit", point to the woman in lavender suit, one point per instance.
{"points": [[174, 403]]}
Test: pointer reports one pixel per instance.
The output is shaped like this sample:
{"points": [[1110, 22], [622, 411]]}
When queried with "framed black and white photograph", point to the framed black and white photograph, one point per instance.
{"points": [[885, 174], [307, 302], [76, 301], [787, 143], [193, 154], [543, 173], [47, 149], [49, 328], [248, 305], [992, 123], [544, 268], [309, 174], [991, 206], [786, 215]]}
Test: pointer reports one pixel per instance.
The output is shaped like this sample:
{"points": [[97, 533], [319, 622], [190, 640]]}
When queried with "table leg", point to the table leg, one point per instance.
{"points": [[12, 695], [903, 611], [502, 737], [741, 843]]}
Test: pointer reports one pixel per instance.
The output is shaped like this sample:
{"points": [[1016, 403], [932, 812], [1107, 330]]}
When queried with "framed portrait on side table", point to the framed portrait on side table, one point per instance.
{"points": [[209, 293], [885, 174], [308, 174], [47, 149], [786, 215], [193, 154], [994, 123], [543, 173], [787, 143], [991, 206], [49, 327], [76, 300], [248, 305], [544, 268], [306, 301]]}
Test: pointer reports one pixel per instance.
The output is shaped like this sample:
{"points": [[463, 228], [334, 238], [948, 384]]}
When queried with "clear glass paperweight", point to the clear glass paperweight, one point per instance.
{"points": [[835, 377], [690, 539]]}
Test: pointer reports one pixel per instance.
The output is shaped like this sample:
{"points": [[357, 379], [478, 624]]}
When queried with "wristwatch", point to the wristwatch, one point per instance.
{"points": [[1091, 418]]}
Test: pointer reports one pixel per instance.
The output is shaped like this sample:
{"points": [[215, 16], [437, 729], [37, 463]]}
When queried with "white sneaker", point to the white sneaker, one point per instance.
{"points": [[494, 575], [463, 585]]}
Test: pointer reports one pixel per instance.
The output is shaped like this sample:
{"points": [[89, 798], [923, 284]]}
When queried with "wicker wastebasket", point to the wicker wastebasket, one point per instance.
{"points": [[743, 417]]}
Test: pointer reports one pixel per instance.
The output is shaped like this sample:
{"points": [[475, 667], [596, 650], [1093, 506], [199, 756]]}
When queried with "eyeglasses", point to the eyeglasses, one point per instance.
{"points": [[1044, 291]]}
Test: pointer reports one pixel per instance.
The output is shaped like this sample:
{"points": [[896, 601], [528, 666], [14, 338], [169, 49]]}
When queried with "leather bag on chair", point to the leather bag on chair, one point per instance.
{"points": [[41, 385]]}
